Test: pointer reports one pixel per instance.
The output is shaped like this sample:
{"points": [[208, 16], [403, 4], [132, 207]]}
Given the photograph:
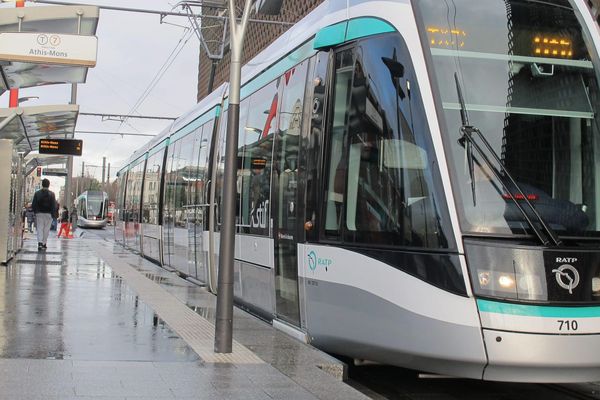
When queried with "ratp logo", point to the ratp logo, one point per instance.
{"points": [[314, 261]]}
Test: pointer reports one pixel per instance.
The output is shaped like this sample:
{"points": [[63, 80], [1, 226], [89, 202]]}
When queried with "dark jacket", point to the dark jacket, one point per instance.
{"points": [[64, 216], [44, 202]]}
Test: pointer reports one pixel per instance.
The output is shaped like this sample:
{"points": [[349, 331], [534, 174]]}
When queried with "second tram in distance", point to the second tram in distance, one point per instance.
{"points": [[92, 209], [418, 185]]}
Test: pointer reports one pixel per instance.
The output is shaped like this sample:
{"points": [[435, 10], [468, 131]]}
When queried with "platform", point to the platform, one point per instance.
{"points": [[89, 320]]}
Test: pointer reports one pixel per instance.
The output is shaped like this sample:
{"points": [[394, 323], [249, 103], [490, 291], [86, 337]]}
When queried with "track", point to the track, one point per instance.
{"points": [[384, 382]]}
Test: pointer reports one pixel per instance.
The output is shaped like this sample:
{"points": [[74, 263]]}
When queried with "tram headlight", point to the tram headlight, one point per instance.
{"points": [[496, 283], [506, 281], [596, 286], [506, 284]]}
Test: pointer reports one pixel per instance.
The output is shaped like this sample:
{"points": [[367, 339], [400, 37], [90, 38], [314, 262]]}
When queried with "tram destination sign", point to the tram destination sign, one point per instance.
{"points": [[49, 48], [66, 147]]}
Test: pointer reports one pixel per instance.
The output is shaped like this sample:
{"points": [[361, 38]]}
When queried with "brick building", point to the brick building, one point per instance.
{"points": [[258, 37]]}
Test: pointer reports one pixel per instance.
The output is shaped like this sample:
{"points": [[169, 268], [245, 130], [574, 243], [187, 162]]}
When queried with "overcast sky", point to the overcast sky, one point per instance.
{"points": [[132, 48]]}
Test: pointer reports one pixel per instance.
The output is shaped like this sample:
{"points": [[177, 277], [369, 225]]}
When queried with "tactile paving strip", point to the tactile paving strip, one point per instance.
{"points": [[196, 331]]}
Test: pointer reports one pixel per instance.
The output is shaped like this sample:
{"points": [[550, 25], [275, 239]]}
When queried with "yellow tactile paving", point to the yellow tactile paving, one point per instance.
{"points": [[195, 330]]}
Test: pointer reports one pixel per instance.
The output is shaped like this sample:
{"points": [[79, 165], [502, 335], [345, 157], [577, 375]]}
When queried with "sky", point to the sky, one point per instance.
{"points": [[132, 49]]}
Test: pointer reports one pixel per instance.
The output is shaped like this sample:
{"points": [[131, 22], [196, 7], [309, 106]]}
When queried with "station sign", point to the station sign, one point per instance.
{"points": [[49, 48], [66, 147], [55, 172]]}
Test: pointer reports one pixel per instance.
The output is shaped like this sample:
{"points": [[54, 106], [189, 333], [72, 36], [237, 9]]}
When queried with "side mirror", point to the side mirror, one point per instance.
{"points": [[396, 68]]}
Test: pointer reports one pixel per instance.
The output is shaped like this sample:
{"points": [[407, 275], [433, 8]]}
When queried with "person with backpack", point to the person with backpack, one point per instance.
{"points": [[45, 208]]}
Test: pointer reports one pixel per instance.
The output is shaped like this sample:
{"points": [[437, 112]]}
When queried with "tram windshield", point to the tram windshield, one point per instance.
{"points": [[529, 76], [95, 205]]}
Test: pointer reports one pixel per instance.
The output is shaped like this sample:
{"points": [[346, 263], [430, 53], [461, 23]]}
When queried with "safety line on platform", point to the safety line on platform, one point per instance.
{"points": [[195, 330]]}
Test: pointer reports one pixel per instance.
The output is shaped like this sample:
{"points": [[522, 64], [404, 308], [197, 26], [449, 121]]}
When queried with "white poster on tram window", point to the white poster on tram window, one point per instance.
{"points": [[49, 48]]}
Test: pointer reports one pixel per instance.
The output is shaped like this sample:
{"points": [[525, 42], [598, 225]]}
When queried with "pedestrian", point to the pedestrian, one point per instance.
{"points": [[45, 208], [64, 222], [30, 215]]}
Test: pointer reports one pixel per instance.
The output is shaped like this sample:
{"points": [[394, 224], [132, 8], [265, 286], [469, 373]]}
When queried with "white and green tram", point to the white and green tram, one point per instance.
{"points": [[418, 185]]}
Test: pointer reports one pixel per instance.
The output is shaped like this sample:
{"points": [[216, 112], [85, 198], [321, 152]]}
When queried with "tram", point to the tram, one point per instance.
{"points": [[92, 209], [418, 185]]}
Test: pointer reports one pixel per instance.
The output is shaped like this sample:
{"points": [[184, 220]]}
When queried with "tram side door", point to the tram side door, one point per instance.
{"points": [[287, 212]]}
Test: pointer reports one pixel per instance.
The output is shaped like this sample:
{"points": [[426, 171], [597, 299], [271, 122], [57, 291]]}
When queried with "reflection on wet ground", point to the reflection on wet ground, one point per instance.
{"points": [[66, 304]]}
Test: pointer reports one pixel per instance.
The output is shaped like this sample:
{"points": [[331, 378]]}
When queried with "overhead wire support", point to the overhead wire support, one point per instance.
{"points": [[163, 14], [116, 133], [123, 116]]}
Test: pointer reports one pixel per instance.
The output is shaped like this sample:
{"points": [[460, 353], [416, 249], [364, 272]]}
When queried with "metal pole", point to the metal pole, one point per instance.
{"points": [[224, 318], [103, 170], [108, 174], [68, 178]]}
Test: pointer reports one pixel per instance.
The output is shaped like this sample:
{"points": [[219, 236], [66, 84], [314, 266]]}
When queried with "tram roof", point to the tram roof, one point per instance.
{"points": [[26, 125], [48, 19]]}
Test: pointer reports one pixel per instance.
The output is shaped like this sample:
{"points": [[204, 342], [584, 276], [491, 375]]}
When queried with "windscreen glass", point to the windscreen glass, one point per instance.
{"points": [[529, 80], [95, 206]]}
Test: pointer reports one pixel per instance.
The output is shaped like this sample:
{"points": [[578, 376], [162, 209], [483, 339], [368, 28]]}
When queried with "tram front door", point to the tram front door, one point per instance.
{"points": [[287, 211]]}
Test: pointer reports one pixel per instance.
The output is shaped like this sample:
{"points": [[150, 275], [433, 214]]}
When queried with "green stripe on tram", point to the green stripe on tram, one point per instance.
{"points": [[336, 34], [195, 124], [497, 307]]}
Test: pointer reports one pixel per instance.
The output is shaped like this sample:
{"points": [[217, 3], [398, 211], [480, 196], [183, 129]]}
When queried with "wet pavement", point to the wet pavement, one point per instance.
{"points": [[72, 328]]}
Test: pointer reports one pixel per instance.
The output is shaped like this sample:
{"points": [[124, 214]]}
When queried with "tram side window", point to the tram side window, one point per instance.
{"points": [[381, 158], [203, 146], [186, 177], [337, 161], [220, 166], [121, 180], [151, 188], [134, 192], [255, 160]]}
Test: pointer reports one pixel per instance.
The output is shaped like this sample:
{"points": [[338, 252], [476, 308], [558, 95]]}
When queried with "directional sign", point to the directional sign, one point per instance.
{"points": [[67, 147], [49, 48], [55, 172]]}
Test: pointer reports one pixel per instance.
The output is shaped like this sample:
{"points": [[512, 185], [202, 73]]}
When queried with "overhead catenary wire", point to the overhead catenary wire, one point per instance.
{"points": [[162, 70]]}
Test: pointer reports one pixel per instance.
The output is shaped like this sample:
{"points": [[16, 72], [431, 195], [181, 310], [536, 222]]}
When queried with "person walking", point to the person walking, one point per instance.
{"points": [[45, 208], [64, 222]]}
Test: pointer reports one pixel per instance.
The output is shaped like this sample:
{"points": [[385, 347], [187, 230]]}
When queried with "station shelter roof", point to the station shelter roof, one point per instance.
{"points": [[26, 125], [47, 19]]}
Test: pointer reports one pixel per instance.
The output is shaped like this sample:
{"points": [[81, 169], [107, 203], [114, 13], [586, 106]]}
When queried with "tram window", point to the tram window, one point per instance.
{"points": [[202, 148], [220, 165], [134, 192], [121, 180], [381, 157], [255, 153], [170, 183], [337, 161], [151, 188]]}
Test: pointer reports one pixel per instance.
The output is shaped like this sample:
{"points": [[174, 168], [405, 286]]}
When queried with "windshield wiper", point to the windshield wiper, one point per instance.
{"points": [[468, 132]]}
